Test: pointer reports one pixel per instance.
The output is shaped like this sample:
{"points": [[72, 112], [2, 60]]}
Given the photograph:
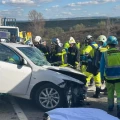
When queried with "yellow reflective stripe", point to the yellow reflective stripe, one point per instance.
{"points": [[112, 77], [58, 54], [72, 53], [76, 63], [64, 65]]}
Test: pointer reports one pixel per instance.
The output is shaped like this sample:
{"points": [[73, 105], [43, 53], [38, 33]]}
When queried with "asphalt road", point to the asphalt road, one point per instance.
{"points": [[12, 108]]}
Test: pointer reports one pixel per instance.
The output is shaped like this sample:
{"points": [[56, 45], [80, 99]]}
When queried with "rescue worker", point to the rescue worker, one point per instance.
{"points": [[45, 49], [83, 62], [73, 55], [37, 41], [110, 69], [42, 47], [59, 57], [102, 48], [91, 72]]}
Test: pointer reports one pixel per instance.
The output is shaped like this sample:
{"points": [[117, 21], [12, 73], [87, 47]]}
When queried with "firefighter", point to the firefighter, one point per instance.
{"points": [[37, 41], [59, 57], [110, 67], [91, 72], [73, 55]]}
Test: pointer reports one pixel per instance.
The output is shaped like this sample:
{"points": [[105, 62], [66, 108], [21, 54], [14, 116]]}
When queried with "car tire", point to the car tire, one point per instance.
{"points": [[48, 97]]}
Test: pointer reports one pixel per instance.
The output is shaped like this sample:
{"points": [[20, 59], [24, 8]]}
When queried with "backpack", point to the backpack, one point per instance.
{"points": [[94, 64]]}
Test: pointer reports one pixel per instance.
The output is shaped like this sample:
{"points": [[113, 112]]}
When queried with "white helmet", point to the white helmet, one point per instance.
{"points": [[72, 40], [102, 38], [89, 37], [37, 39]]}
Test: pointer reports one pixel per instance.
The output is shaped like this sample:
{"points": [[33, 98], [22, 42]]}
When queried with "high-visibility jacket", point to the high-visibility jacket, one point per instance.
{"points": [[90, 50], [66, 46], [83, 57], [112, 64], [59, 57], [78, 45], [90, 53]]}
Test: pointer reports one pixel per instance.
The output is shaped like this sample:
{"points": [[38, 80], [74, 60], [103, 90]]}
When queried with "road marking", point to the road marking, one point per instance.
{"points": [[17, 109]]}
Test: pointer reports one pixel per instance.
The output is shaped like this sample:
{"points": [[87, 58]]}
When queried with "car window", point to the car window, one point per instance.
{"points": [[7, 55]]}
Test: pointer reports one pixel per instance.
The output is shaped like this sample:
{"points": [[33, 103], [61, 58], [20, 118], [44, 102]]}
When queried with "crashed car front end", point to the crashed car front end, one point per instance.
{"points": [[74, 90]]}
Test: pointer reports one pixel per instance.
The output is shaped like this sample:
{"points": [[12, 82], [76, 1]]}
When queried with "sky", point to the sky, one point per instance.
{"points": [[52, 9]]}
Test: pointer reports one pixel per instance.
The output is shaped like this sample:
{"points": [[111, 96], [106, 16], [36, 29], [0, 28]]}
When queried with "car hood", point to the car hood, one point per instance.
{"points": [[69, 72]]}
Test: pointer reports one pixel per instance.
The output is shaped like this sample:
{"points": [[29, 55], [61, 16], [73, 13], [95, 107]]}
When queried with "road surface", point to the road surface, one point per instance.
{"points": [[12, 108]]}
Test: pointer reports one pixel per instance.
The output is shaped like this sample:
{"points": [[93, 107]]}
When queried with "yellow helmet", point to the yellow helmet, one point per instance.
{"points": [[72, 40]]}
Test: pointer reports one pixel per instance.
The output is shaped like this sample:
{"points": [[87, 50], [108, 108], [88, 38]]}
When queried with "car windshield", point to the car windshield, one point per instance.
{"points": [[34, 55]]}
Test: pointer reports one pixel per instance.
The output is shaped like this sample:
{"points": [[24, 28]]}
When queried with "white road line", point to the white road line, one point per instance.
{"points": [[17, 109]]}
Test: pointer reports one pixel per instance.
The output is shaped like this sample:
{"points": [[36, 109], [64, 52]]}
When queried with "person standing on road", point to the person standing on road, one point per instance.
{"points": [[73, 54], [89, 53], [103, 47], [110, 67]]}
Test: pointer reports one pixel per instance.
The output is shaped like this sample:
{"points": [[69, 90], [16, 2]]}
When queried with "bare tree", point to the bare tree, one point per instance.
{"points": [[37, 23]]}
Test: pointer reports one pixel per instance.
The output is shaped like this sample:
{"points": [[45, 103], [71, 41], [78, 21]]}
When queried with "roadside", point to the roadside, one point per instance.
{"points": [[6, 110], [100, 103], [21, 109]]}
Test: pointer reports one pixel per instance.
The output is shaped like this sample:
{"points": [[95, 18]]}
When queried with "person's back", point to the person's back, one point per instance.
{"points": [[72, 55], [110, 70]]}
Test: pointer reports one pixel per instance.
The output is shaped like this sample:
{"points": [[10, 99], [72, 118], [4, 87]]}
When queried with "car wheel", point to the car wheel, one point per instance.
{"points": [[48, 97]]}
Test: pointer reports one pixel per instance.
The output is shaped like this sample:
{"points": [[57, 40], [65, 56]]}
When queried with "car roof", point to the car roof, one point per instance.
{"points": [[15, 45]]}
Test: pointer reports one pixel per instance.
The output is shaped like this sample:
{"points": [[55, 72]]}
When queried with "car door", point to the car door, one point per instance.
{"points": [[14, 78]]}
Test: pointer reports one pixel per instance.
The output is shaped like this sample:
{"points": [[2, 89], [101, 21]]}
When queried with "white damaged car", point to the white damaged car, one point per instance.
{"points": [[25, 73]]}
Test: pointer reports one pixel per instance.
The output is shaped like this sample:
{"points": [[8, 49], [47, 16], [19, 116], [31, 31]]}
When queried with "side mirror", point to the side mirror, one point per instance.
{"points": [[23, 61]]}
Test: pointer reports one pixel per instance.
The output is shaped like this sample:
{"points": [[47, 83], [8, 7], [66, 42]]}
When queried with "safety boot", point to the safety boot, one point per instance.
{"points": [[104, 91], [97, 93]]}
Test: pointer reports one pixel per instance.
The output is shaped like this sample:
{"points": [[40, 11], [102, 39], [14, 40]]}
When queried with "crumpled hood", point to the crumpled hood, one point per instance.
{"points": [[69, 72], [63, 69]]}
